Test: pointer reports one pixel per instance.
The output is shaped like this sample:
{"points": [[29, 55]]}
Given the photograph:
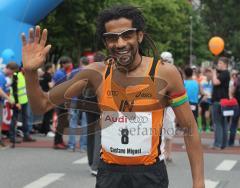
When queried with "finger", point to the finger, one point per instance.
{"points": [[24, 40], [31, 35], [46, 50], [44, 38], [37, 34]]}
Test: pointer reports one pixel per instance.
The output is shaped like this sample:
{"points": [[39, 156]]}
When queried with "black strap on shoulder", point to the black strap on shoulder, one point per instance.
{"points": [[108, 71], [153, 68]]}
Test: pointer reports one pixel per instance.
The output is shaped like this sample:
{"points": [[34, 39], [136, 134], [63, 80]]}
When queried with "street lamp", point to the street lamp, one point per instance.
{"points": [[190, 42]]}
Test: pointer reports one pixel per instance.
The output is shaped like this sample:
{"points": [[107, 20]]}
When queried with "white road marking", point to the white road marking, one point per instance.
{"points": [[4, 147], [83, 160], [45, 180], [211, 184], [226, 165]]}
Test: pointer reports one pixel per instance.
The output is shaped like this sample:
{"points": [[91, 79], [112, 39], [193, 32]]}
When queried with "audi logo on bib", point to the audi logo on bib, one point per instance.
{"points": [[127, 133], [126, 118], [138, 119]]}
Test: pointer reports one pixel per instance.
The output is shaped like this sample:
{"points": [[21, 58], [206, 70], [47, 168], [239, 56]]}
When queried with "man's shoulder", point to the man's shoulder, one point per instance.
{"points": [[59, 73], [167, 70], [195, 82], [20, 75], [191, 82], [172, 77], [75, 71], [46, 74], [96, 67], [224, 72], [93, 72], [225, 75]]}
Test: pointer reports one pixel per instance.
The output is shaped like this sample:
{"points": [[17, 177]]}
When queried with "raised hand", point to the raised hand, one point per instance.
{"points": [[34, 50]]}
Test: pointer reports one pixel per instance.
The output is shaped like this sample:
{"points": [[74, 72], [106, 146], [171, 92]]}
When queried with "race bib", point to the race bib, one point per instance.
{"points": [[127, 134], [227, 113]]}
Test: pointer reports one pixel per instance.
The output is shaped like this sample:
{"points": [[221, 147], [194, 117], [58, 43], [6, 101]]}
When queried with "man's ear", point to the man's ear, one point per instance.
{"points": [[140, 35]]}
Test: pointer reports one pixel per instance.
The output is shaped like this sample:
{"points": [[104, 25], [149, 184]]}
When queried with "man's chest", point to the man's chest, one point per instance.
{"points": [[141, 97]]}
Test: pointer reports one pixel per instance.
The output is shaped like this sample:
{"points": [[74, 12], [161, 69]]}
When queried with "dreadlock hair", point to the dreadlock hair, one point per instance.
{"points": [[116, 12], [131, 13]]}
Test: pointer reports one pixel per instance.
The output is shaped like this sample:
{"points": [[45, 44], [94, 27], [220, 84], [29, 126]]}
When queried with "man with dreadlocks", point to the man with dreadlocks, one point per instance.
{"points": [[132, 91]]}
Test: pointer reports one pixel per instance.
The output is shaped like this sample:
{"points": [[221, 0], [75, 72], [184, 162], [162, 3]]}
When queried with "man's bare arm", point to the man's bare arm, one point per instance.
{"points": [[185, 118], [37, 98], [188, 124], [34, 53]]}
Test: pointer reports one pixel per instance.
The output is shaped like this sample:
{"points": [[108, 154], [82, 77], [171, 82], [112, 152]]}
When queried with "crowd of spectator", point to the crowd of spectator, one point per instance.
{"points": [[213, 94]]}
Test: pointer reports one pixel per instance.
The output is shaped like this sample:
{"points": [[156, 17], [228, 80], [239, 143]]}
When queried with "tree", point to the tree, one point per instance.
{"points": [[167, 23], [200, 38], [221, 18], [72, 27]]}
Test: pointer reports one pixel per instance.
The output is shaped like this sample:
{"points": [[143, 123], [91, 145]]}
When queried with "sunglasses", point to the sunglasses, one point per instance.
{"points": [[125, 35]]}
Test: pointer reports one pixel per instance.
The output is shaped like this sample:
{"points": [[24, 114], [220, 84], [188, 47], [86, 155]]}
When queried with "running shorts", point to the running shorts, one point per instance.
{"points": [[132, 176]]}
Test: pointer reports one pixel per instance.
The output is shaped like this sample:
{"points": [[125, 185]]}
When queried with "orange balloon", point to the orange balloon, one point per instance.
{"points": [[216, 45]]}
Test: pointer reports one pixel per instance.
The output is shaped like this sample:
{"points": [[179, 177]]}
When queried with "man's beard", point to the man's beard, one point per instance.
{"points": [[124, 60]]}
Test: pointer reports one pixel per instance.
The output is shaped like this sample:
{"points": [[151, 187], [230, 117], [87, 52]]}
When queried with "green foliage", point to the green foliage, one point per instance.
{"points": [[222, 19], [200, 37], [167, 24], [72, 28]]}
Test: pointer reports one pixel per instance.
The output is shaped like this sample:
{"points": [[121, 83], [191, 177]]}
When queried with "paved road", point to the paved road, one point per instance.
{"points": [[38, 167]]}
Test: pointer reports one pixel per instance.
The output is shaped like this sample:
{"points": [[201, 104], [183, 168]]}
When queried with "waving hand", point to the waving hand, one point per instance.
{"points": [[34, 49]]}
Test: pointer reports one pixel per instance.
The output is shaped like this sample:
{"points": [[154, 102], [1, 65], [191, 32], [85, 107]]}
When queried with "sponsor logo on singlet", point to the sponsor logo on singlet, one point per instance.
{"points": [[143, 95], [112, 93]]}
